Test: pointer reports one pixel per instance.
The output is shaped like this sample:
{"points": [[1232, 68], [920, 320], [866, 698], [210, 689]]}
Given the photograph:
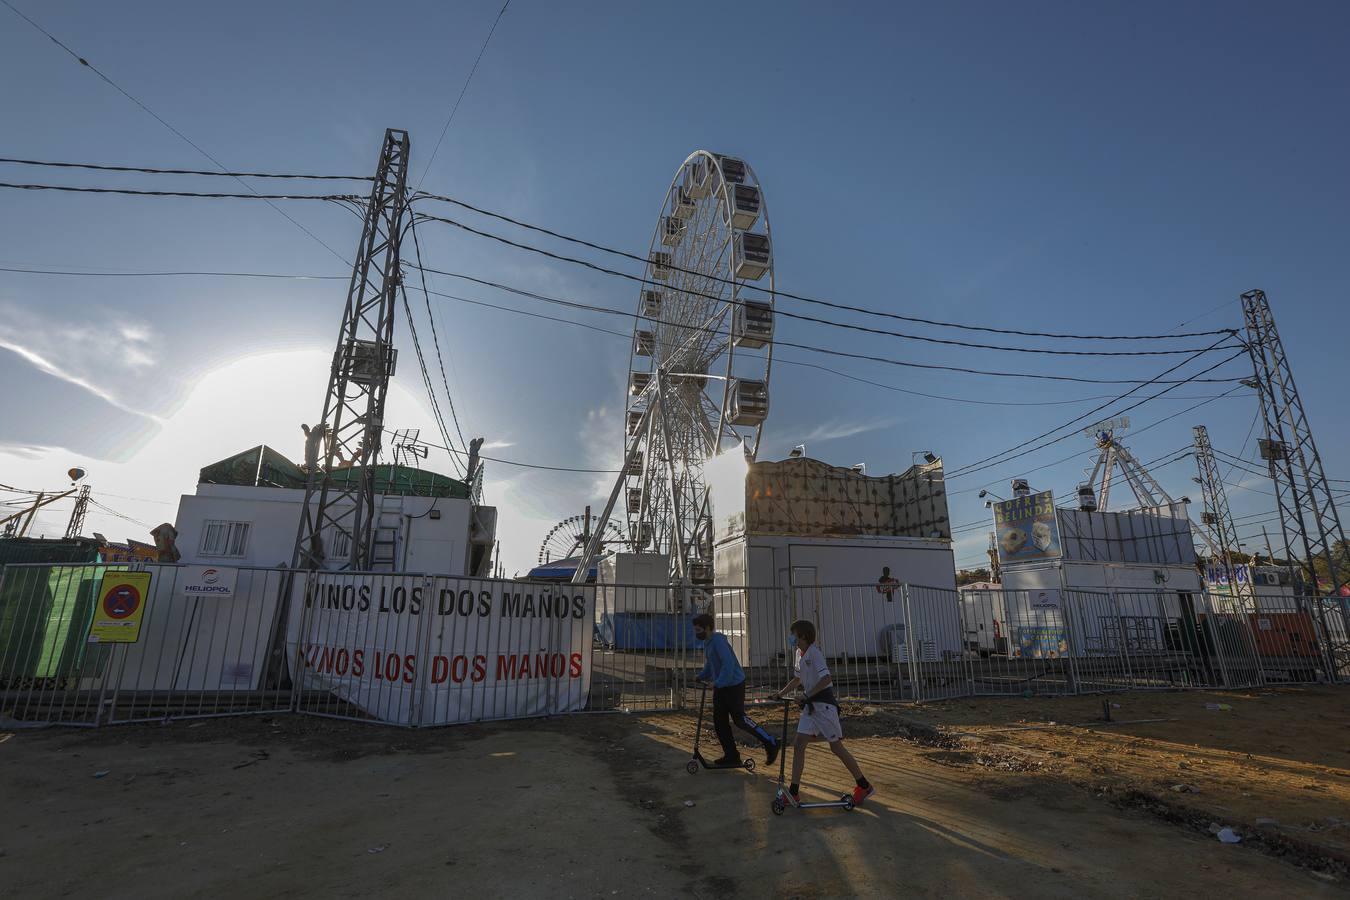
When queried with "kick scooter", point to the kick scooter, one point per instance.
{"points": [[780, 799], [697, 759]]}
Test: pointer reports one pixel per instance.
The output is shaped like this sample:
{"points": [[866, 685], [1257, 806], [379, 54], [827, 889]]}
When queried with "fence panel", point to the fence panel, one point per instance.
{"points": [[48, 670], [193, 654], [418, 650], [199, 654], [1333, 618], [644, 655], [1018, 644], [1291, 638], [938, 665], [1228, 640]]}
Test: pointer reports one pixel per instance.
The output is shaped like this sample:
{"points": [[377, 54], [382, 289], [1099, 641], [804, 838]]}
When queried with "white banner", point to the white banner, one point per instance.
{"points": [[207, 581], [414, 650]]}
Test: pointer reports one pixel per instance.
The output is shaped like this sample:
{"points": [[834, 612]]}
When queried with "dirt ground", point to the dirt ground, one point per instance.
{"points": [[600, 806]]}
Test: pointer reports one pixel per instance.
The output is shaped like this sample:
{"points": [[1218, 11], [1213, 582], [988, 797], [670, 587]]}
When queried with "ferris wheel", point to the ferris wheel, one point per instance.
{"points": [[698, 381], [570, 536]]}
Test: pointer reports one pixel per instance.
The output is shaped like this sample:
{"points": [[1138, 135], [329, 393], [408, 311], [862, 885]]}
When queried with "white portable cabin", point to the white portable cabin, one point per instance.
{"points": [[800, 538], [632, 583], [1126, 575]]}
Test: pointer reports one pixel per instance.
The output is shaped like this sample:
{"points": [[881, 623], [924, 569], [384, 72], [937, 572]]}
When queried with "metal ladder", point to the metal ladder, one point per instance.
{"points": [[388, 526]]}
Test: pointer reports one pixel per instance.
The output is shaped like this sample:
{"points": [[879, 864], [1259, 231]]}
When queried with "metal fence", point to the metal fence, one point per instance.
{"points": [[421, 650], [194, 656]]}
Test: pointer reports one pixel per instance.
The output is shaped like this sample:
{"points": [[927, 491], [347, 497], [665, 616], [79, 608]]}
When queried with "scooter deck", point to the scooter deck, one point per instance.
{"points": [[780, 803], [697, 760]]}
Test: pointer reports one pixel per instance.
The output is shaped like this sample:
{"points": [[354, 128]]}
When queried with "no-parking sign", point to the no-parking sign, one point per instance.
{"points": [[121, 603]]}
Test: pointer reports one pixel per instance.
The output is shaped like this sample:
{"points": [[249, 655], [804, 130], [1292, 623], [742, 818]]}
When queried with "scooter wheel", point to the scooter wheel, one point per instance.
{"points": [[691, 767], [847, 800], [778, 807], [749, 765]]}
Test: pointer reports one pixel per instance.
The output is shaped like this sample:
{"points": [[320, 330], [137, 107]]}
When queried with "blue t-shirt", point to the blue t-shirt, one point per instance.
{"points": [[721, 668]]}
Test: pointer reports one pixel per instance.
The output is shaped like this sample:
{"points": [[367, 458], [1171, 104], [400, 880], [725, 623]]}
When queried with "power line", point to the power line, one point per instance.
{"points": [[781, 360], [803, 298], [1137, 431], [112, 512], [1256, 417], [426, 376], [993, 460], [801, 316], [25, 271], [449, 398], [117, 87], [523, 465], [622, 335], [589, 307], [345, 198], [462, 91], [209, 172]]}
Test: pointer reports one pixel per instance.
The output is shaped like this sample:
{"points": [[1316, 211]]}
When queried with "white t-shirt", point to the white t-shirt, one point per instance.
{"points": [[810, 668]]}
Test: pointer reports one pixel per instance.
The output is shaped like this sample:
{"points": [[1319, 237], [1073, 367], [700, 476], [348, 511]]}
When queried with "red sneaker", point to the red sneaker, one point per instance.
{"points": [[862, 793]]}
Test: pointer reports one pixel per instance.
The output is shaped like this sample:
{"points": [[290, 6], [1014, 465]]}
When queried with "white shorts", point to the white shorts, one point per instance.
{"points": [[821, 720]]}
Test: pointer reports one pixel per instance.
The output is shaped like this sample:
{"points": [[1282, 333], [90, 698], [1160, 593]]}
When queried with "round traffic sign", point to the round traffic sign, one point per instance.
{"points": [[121, 601]]}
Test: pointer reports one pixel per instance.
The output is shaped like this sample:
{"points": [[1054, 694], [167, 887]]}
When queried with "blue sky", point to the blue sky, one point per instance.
{"points": [[1052, 166]]}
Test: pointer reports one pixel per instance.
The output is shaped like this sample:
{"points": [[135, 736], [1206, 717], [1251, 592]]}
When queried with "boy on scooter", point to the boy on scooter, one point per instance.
{"points": [[728, 681], [820, 713]]}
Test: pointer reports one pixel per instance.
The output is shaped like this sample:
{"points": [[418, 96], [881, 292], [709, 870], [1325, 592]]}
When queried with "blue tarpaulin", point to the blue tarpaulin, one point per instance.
{"points": [[646, 631]]}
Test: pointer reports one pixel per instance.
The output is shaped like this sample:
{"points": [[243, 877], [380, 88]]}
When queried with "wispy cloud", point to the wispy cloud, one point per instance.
{"points": [[45, 365], [27, 451], [833, 431]]}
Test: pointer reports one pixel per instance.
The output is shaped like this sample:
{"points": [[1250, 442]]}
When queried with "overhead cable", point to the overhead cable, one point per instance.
{"points": [[1181, 412], [462, 91], [436, 340], [523, 465], [158, 118], [994, 459], [24, 271], [804, 298], [436, 413], [589, 307], [209, 172], [346, 198], [805, 318]]}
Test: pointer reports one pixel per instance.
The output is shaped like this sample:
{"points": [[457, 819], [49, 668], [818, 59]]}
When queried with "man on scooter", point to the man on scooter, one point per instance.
{"points": [[728, 681]]}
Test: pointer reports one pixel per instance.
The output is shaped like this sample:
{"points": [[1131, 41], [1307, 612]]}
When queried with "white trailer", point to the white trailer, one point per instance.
{"points": [[765, 582]]}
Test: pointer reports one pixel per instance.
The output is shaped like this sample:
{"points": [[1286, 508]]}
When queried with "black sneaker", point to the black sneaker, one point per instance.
{"points": [[727, 761], [771, 752]]}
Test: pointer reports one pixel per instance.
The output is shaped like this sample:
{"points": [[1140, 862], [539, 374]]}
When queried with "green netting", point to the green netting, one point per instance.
{"points": [[258, 466], [264, 467], [44, 620], [407, 482], [37, 550]]}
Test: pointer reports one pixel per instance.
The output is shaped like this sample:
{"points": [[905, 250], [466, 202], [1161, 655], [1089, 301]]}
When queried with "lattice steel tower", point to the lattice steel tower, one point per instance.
{"points": [[1308, 513], [341, 511], [1216, 516], [76, 523]]}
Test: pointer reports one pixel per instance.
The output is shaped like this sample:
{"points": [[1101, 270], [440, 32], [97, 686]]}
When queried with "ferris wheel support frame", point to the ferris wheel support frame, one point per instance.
{"points": [[593, 545]]}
